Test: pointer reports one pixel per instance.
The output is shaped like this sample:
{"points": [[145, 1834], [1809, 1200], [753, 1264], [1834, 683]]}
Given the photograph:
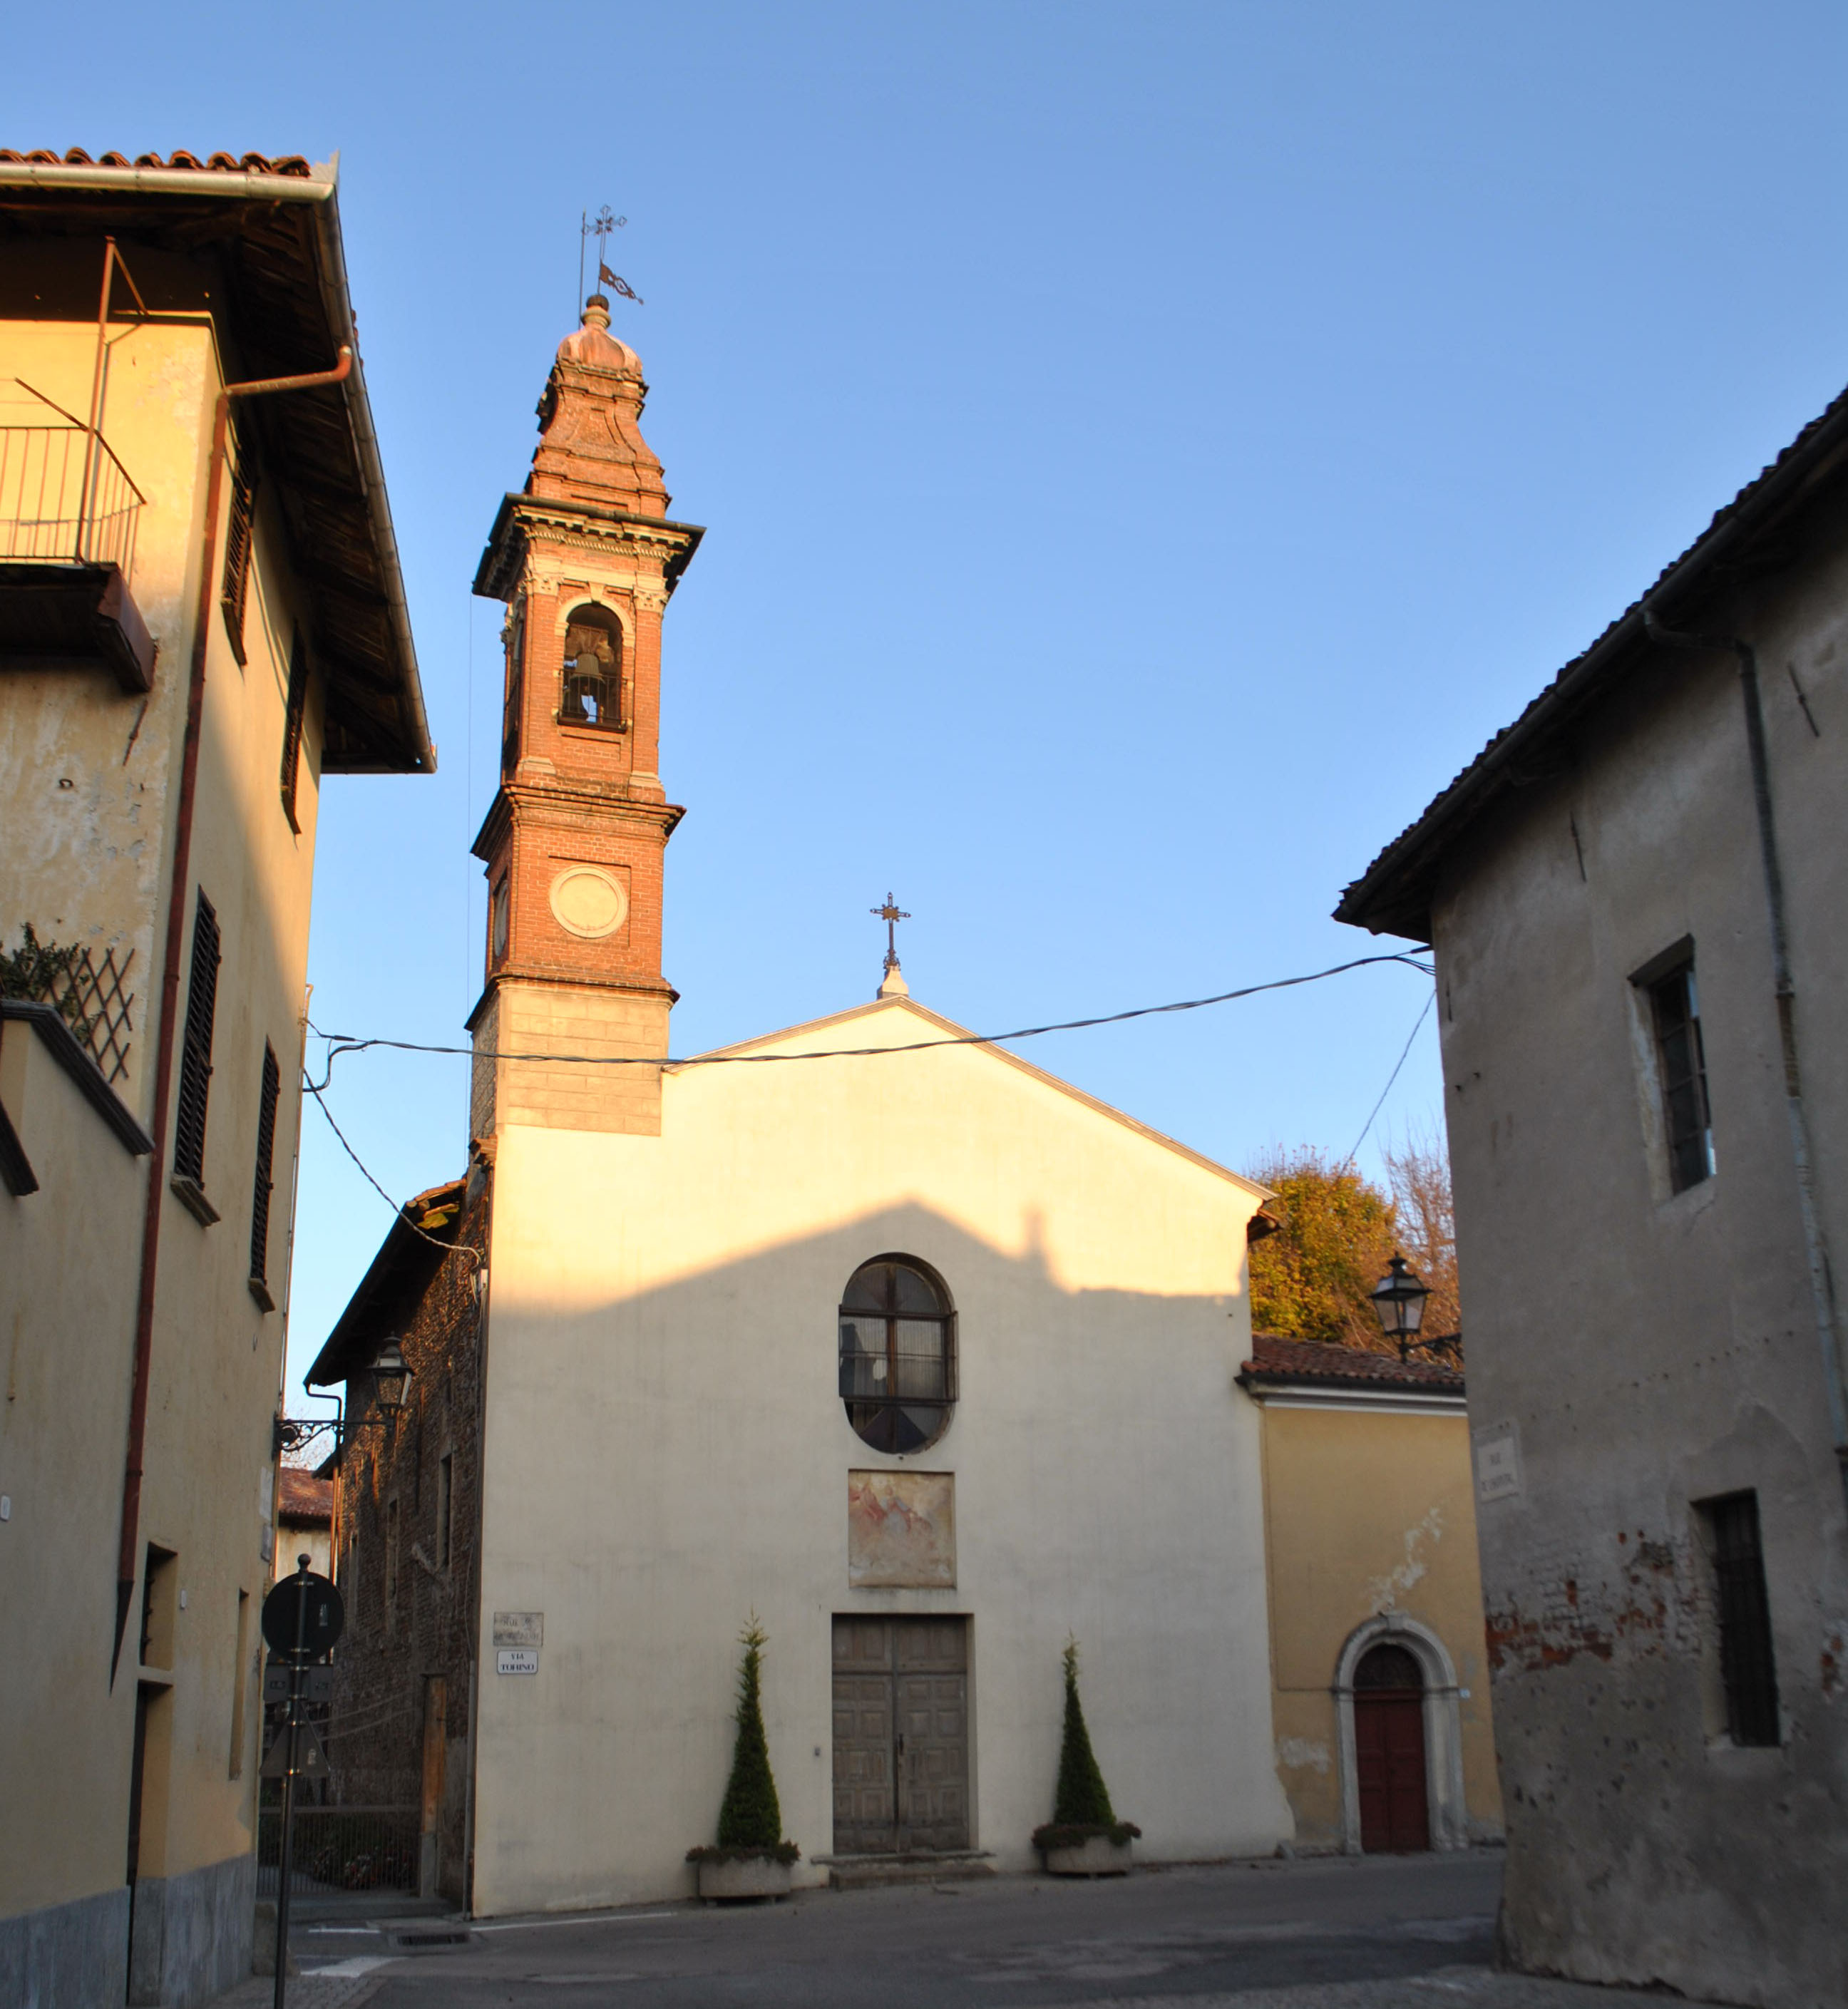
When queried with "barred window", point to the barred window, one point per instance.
{"points": [[292, 726], [897, 1357], [195, 1059], [239, 536], [266, 1149], [1681, 1062], [593, 693], [1748, 1664]]}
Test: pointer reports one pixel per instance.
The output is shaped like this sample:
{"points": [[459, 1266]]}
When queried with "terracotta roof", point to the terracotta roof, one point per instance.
{"points": [[1393, 896], [305, 1496], [1274, 1359], [237, 164]]}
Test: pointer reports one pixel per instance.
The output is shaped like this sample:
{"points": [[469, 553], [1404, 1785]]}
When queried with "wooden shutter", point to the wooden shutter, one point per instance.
{"points": [[266, 1149], [195, 1060], [292, 726], [239, 535]]}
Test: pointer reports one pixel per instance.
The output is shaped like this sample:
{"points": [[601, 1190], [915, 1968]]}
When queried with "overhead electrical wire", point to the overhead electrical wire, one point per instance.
{"points": [[339, 1043], [342, 1043]]}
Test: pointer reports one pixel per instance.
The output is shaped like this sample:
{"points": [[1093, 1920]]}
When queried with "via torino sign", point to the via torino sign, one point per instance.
{"points": [[517, 1660]]}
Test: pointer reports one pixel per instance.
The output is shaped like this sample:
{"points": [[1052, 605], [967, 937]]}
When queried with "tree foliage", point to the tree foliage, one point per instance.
{"points": [[1313, 1278], [1083, 1799], [750, 1817]]}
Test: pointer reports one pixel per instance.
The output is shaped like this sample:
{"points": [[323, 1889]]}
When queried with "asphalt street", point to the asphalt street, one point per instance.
{"points": [[1009, 1942]]}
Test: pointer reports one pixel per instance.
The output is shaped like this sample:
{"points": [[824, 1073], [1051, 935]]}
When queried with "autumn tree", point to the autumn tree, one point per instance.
{"points": [[1313, 1278]]}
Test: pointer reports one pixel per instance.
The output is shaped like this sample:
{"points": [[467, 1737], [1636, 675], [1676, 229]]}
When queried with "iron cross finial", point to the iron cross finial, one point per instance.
{"points": [[890, 914]]}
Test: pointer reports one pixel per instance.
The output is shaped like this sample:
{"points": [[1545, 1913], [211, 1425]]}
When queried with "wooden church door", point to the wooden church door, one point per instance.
{"points": [[901, 1735], [1389, 1751]]}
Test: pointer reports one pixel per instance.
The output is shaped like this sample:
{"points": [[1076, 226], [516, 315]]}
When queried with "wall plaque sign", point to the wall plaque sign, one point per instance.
{"points": [[516, 1660], [901, 1530], [519, 1629], [1498, 1462]]}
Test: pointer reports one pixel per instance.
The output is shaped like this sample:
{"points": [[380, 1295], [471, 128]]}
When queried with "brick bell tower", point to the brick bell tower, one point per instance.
{"points": [[586, 557]]}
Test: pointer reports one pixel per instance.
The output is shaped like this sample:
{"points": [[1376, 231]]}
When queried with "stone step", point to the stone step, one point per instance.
{"points": [[865, 1873]]}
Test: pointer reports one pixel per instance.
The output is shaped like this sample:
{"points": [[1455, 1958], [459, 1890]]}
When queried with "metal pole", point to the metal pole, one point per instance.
{"points": [[295, 1720]]}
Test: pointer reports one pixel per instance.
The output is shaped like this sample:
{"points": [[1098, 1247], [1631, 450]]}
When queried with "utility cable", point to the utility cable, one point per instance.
{"points": [[1393, 1077], [340, 1044]]}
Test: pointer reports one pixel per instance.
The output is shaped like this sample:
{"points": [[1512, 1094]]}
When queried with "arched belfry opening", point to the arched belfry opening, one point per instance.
{"points": [[592, 692]]}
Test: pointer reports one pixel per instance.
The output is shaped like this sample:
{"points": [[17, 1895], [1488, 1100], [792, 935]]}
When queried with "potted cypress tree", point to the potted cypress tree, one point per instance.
{"points": [[750, 1859], [1084, 1837]]}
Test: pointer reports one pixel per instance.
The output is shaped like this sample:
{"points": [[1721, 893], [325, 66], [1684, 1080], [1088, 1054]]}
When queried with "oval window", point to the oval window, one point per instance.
{"points": [[898, 1354]]}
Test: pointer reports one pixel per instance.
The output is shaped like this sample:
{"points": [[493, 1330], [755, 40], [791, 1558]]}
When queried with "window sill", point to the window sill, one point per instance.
{"points": [[582, 728], [260, 1291], [191, 1195]]}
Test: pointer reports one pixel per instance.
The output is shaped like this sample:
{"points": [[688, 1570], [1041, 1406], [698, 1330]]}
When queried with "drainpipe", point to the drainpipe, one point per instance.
{"points": [[126, 1571], [1815, 1241]]}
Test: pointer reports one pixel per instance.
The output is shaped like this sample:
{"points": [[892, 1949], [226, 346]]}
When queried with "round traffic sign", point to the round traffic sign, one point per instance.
{"points": [[303, 1617]]}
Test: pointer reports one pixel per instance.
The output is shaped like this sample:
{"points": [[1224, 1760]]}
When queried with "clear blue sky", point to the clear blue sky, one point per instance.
{"points": [[1147, 450]]}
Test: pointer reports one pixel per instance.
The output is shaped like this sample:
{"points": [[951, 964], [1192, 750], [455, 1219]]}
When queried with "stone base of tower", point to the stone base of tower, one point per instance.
{"points": [[599, 1023]]}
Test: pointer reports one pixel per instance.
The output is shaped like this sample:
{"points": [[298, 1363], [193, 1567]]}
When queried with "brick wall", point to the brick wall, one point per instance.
{"points": [[396, 1644]]}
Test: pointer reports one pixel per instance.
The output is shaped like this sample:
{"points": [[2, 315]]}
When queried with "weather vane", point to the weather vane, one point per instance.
{"points": [[599, 227], [890, 914]]}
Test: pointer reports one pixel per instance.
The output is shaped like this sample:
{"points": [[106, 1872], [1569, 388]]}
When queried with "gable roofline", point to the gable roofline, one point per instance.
{"points": [[396, 1277], [1394, 894], [974, 1042]]}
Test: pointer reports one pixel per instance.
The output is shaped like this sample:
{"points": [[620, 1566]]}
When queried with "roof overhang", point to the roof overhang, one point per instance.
{"points": [[272, 231], [400, 1273], [1750, 536], [559, 521]]}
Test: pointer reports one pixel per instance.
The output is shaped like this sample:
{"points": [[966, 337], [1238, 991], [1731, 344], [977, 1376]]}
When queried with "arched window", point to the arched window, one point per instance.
{"points": [[897, 1357], [592, 669], [1389, 1667]]}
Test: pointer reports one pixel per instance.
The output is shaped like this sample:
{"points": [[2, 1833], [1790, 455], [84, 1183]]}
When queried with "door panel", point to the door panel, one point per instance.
{"points": [[1389, 1755], [901, 1735]]}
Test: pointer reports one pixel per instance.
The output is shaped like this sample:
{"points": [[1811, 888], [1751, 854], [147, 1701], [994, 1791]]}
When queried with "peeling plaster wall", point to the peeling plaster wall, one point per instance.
{"points": [[1632, 1352]]}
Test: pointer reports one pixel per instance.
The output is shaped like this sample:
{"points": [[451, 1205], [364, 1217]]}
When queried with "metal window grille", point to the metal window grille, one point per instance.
{"points": [[1675, 1005], [239, 535], [195, 1060], [266, 1149], [1748, 1664], [292, 726], [593, 676], [898, 1355]]}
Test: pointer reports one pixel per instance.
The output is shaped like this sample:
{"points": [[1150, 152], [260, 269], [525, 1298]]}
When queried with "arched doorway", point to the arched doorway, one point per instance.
{"points": [[1389, 1757]]}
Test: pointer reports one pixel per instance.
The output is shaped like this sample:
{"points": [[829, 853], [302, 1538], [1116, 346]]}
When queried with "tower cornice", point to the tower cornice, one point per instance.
{"points": [[658, 818], [523, 521]]}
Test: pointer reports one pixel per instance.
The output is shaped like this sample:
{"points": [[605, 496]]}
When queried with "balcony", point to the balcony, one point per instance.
{"points": [[68, 514]]}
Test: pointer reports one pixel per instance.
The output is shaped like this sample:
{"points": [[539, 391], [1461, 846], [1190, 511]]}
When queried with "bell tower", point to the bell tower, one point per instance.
{"points": [[586, 558]]}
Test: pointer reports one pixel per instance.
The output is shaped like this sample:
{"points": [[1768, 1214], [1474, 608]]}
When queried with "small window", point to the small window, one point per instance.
{"points": [[1681, 1066], [593, 692], [292, 726], [159, 1586], [390, 1558], [195, 1059], [445, 1504], [514, 636], [1748, 1665], [239, 535], [496, 922], [266, 1151], [898, 1364]]}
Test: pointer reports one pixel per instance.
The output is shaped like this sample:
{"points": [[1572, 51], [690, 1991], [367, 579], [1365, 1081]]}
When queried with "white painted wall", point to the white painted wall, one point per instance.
{"points": [[665, 1452]]}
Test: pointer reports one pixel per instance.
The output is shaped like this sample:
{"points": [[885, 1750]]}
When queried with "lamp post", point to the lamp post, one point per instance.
{"points": [[1398, 1300]]}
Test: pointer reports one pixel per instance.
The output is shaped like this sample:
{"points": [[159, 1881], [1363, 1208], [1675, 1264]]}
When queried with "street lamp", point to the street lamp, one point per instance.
{"points": [[1399, 1298], [391, 1377]]}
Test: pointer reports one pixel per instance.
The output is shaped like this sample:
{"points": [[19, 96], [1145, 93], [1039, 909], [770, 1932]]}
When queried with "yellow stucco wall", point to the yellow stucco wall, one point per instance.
{"points": [[1368, 1513], [89, 774]]}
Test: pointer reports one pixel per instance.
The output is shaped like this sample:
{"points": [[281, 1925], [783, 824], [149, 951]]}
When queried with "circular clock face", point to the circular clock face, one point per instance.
{"points": [[588, 901]]}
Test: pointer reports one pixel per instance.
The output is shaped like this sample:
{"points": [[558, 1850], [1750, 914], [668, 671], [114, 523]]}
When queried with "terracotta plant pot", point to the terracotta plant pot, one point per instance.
{"points": [[1098, 1856], [743, 1876]]}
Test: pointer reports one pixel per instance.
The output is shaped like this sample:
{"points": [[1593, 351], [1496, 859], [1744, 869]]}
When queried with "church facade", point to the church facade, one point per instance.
{"points": [[918, 1357]]}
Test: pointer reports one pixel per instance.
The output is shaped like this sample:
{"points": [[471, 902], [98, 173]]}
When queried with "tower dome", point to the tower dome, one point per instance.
{"points": [[591, 448]]}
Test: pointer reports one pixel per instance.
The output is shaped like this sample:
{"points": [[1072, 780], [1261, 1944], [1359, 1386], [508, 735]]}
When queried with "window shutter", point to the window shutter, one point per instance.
{"points": [[266, 1149], [195, 1061], [238, 536], [292, 726]]}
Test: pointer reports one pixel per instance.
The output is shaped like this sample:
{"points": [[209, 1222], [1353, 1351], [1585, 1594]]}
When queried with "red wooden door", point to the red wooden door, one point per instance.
{"points": [[1389, 1747]]}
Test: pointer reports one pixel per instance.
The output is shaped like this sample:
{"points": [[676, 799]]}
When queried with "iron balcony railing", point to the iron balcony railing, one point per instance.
{"points": [[65, 499]]}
